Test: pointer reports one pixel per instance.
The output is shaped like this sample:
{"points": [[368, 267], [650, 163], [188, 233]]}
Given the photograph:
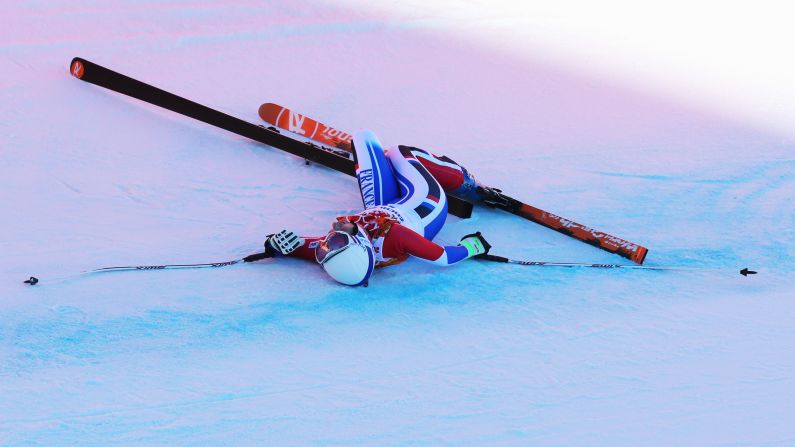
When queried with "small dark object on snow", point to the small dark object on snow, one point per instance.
{"points": [[32, 281], [746, 272]]}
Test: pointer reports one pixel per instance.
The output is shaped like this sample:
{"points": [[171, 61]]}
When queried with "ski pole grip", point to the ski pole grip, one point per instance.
{"points": [[493, 258], [256, 257]]}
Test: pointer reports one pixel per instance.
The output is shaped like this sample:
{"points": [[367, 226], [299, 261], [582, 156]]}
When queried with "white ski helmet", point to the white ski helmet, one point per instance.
{"points": [[348, 259]]}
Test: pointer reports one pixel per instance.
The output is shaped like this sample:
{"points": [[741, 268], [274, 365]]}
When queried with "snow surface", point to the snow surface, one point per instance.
{"points": [[277, 354]]}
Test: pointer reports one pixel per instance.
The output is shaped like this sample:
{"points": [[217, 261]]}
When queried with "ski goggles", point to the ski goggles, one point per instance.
{"points": [[334, 243]]}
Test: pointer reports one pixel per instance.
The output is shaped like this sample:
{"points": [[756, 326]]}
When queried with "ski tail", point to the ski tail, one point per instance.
{"points": [[294, 122], [613, 244]]}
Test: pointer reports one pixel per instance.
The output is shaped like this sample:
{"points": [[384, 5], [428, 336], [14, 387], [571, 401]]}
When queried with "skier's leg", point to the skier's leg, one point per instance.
{"points": [[454, 178], [377, 182], [421, 193]]}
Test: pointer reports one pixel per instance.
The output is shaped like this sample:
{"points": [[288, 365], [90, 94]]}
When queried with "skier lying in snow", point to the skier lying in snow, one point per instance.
{"points": [[403, 191]]}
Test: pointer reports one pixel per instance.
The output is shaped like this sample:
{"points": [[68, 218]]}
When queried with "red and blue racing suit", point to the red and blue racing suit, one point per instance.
{"points": [[403, 191]]}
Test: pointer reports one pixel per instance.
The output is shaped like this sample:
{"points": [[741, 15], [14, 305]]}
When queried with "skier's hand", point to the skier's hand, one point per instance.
{"points": [[475, 244], [283, 242]]}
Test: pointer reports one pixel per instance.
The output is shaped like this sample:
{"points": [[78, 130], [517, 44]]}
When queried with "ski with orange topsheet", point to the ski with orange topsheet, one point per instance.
{"points": [[298, 124]]}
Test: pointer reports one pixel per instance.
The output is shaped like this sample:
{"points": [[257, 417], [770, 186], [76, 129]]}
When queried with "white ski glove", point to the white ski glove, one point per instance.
{"points": [[283, 242]]}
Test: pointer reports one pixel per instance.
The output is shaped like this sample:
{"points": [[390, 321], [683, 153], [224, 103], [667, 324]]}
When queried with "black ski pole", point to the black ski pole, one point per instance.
{"points": [[495, 258], [250, 258]]}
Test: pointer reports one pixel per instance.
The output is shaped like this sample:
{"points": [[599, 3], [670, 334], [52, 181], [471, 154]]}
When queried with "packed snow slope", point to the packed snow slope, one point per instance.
{"points": [[275, 353]]}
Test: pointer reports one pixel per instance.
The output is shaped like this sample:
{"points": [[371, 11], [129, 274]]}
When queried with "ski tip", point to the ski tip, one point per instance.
{"points": [[746, 272], [269, 112], [32, 281], [77, 68]]}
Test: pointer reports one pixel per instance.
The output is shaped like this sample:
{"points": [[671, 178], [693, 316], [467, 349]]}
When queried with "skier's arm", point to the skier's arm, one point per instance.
{"points": [[402, 240], [288, 243], [307, 250]]}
